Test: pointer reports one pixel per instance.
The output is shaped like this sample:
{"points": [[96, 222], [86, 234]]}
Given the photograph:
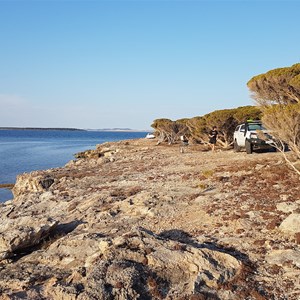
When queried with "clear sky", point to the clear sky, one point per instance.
{"points": [[99, 64]]}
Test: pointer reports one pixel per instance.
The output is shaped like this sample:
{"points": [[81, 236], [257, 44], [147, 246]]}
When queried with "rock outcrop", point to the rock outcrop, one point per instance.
{"points": [[131, 220]]}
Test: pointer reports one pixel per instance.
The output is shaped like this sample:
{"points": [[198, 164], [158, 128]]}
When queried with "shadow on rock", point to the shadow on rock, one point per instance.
{"points": [[240, 285], [58, 231], [184, 237]]}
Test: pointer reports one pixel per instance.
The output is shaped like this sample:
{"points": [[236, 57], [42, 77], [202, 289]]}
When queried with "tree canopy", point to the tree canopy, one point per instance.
{"points": [[278, 94], [278, 86], [284, 121], [197, 128], [169, 130]]}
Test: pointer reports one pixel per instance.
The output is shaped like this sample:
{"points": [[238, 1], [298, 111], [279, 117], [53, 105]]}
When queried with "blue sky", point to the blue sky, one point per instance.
{"points": [[99, 64]]}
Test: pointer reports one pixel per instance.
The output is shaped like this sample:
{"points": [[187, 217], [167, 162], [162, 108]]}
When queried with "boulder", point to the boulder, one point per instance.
{"points": [[291, 224], [22, 233], [32, 183], [146, 266]]}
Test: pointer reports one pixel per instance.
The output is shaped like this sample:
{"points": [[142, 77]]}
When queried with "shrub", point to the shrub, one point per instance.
{"points": [[284, 121], [168, 130]]}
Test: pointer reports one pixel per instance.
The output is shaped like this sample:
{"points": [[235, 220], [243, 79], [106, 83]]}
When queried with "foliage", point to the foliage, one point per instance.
{"points": [[225, 122], [244, 113], [207, 173], [278, 86], [284, 121], [168, 130], [278, 94], [182, 121], [197, 128]]}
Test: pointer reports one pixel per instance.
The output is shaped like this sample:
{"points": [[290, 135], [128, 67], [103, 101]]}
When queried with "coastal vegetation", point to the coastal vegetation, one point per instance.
{"points": [[196, 129], [277, 95], [278, 86], [129, 220]]}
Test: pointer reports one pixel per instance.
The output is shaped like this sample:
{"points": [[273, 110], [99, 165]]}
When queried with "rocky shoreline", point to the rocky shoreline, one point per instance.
{"points": [[132, 220]]}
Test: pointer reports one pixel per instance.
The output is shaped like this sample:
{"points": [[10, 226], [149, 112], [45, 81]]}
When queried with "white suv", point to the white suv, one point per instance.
{"points": [[246, 136]]}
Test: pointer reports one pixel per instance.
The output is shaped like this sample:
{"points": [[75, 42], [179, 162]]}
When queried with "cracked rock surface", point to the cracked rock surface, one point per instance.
{"points": [[132, 220]]}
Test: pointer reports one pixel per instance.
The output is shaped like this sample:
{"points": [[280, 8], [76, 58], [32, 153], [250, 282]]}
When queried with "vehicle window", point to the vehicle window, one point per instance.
{"points": [[243, 127], [237, 128], [253, 127]]}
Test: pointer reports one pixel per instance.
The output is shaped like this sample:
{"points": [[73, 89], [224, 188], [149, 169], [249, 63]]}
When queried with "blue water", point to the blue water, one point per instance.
{"points": [[28, 150]]}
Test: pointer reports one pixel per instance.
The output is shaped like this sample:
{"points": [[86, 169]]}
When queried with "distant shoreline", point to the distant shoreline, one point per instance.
{"points": [[74, 129], [120, 130], [38, 128]]}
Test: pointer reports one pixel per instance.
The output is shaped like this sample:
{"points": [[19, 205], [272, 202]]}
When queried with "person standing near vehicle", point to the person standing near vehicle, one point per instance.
{"points": [[213, 135]]}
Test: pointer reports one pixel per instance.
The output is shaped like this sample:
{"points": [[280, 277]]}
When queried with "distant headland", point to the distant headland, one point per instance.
{"points": [[40, 128], [118, 129], [73, 129]]}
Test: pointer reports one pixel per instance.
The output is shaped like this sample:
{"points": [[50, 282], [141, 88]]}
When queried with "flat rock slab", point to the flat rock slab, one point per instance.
{"points": [[23, 232], [291, 224]]}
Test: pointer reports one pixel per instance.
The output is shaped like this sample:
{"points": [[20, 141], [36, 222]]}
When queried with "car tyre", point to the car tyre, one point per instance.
{"points": [[236, 147], [249, 147]]}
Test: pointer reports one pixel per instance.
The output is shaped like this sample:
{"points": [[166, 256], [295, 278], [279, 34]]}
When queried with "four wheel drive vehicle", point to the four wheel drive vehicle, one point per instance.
{"points": [[251, 135]]}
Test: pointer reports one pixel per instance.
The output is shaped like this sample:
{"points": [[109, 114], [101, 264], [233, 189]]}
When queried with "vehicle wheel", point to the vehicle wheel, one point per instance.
{"points": [[236, 147], [249, 148]]}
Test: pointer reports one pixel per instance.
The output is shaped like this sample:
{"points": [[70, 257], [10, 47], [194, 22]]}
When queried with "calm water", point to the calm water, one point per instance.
{"points": [[28, 150]]}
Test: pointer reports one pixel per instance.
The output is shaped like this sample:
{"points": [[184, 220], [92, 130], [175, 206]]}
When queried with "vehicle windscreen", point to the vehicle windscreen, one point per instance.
{"points": [[253, 127]]}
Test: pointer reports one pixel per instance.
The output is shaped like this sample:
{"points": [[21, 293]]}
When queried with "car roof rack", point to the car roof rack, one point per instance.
{"points": [[253, 121]]}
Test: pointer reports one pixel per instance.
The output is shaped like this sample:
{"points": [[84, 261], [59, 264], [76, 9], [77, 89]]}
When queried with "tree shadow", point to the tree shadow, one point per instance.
{"points": [[243, 284], [184, 237]]}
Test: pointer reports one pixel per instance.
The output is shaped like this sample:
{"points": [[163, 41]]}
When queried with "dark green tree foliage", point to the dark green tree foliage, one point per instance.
{"points": [[168, 130], [182, 121], [284, 120], [278, 94], [225, 122], [244, 113], [278, 86], [197, 128]]}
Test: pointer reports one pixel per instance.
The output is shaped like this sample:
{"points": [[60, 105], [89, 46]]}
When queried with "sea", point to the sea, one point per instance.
{"points": [[23, 151]]}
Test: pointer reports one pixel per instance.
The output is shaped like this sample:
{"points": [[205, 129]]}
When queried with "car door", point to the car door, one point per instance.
{"points": [[240, 135]]}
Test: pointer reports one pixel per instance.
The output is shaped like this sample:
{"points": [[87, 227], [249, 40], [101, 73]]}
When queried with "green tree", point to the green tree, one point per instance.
{"points": [[244, 113], [168, 130], [278, 86], [284, 120], [225, 122], [197, 129], [278, 94]]}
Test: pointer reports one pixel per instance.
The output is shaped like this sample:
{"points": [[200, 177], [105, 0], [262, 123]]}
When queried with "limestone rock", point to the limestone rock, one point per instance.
{"points": [[281, 257], [150, 266], [132, 220], [291, 224], [287, 207], [23, 232], [32, 183]]}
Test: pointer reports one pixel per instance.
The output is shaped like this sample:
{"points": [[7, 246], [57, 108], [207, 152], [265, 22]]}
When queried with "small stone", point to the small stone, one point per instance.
{"points": [[119, 241], [287, 207], [297, 237], [104, 245]]}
